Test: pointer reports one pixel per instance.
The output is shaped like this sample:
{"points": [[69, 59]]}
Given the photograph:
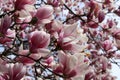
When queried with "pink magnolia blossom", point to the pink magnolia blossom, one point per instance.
{"points": [[107, 45], [15, 71], [39, 39], [71, 66], [44, 14], [69, 37], [20, 4]]}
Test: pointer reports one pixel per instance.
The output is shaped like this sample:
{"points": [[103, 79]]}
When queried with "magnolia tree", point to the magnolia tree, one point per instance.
{"points": [[58, 39]]}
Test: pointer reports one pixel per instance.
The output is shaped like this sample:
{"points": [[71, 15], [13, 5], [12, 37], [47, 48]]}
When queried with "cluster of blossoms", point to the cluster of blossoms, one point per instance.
{"points": [[58, 39]]}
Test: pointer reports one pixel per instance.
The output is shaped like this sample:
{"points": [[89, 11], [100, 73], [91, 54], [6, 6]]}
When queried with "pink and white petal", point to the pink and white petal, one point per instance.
{"points": [[10, 33], [3, 68], [44, 12], [62, 57], [21, 73], [69, 29], [17, 68], [72, 61]]}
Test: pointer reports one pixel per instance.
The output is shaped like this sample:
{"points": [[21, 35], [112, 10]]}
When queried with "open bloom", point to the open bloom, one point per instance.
{"points": [[39, 39], [107, 45], [44, 14], [71, 66], [14, 71], [68, 37]]}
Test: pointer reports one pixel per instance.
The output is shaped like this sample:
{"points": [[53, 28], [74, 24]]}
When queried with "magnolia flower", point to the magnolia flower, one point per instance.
{"points": [[68, 37], [39, 39], [71, 66], [44, 14], [20, 4], [14, 71], [107, 45]]}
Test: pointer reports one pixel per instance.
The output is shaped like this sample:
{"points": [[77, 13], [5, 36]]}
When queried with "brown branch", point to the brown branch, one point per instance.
{"points": [[79, 16]]}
